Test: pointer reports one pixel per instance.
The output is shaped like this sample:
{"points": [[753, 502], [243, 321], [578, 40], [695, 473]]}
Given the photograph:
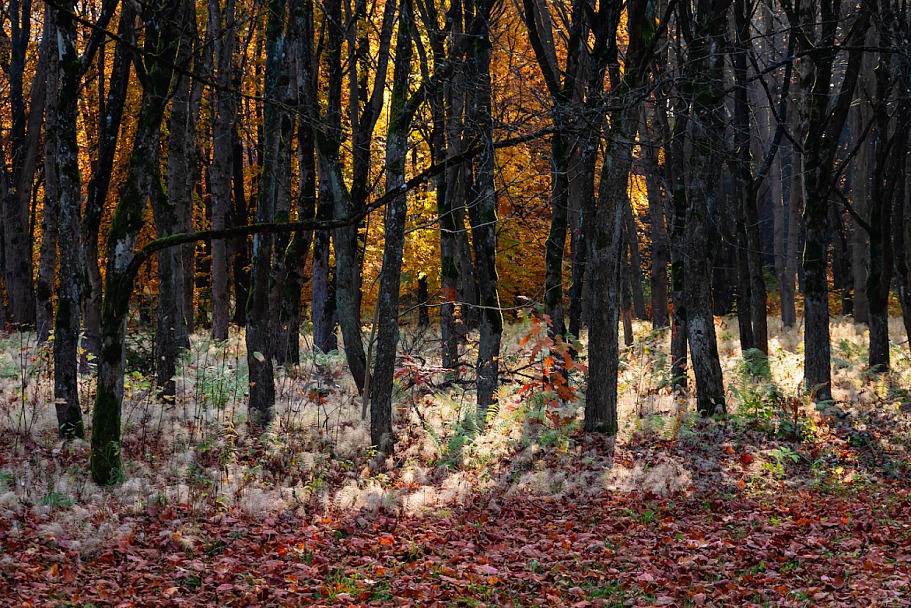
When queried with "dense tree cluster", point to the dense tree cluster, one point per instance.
{"points": [[274, 159]]}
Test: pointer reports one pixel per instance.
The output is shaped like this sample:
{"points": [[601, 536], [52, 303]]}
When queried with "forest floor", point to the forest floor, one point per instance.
{"points": [[777, 504]]}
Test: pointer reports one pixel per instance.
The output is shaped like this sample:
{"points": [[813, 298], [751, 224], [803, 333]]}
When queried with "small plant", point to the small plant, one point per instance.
{"points": [[548, 397], [782, 457]]}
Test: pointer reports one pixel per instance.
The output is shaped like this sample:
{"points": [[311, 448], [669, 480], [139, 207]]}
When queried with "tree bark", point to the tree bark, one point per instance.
{"points": [[143, 175], [702, 88], [63, 132], [170, 206], [223, 24], [275, 147], [47, 258], [108, 134], [657, 227], [483, 216], [381, 432], [26, 117]]}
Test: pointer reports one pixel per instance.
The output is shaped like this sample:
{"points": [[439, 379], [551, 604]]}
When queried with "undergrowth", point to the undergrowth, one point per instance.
{"points": [[315, 459]]}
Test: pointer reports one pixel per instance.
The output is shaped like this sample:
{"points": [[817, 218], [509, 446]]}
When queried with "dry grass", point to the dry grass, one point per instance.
{"points": [[315, 458]]}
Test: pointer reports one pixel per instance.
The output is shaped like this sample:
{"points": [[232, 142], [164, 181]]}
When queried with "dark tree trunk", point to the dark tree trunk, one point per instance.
{"points": [[381, 433], [556, 237], [47, 264], [63, 133], [275, 151], [631, 234], [240, 250], [794, 211], [749, 180], [890, 146], [223, 33], [657, 228], [172, 333], [143, 177], [26, 117], [626, 304], [704, 71], [483, 215], [824, 126], [108, 134]]}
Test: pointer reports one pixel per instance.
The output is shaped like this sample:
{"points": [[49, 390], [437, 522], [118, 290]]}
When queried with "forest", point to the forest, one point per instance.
{"points": [[456, 303]]}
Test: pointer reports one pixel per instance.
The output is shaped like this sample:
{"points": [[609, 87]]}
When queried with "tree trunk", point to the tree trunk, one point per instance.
{"points": [[824, 126], [657, 227], [631, 232], [275, 147], [222, 151], [381, 433], [704, 70], [483, 218], [66, 147], [47, 264], [172, 333], [24, 129], [108, 134], [240, 251], [143, 175], [794, 211]]}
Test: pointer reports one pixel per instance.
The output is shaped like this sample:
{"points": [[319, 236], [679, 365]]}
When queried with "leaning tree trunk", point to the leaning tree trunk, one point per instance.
{"points": [[108, 135], [143, 175]]}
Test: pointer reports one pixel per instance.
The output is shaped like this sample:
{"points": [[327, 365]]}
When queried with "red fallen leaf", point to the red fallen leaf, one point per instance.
{"points": [[387, 539], [746, 458]]}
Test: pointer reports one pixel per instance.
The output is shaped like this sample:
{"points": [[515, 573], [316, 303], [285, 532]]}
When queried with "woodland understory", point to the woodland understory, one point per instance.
{"points": [[776, 504], [455, 303]]}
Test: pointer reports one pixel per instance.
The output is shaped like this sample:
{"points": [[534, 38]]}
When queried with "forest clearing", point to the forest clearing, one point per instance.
{"points": [[768, 506]]}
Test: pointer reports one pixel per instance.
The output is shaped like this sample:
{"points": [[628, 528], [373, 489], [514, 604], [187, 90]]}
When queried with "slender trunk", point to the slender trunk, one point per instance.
{"points": [[657, 228], [289, 314], [259, 331], [704, 71], [794, 211], [381, 433], [240, 249], [824, 127], [556, 237], [47, 264], [626, 304], [483, 217], [631, 232], [172, 328], [108, 135], [222, 153]]}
